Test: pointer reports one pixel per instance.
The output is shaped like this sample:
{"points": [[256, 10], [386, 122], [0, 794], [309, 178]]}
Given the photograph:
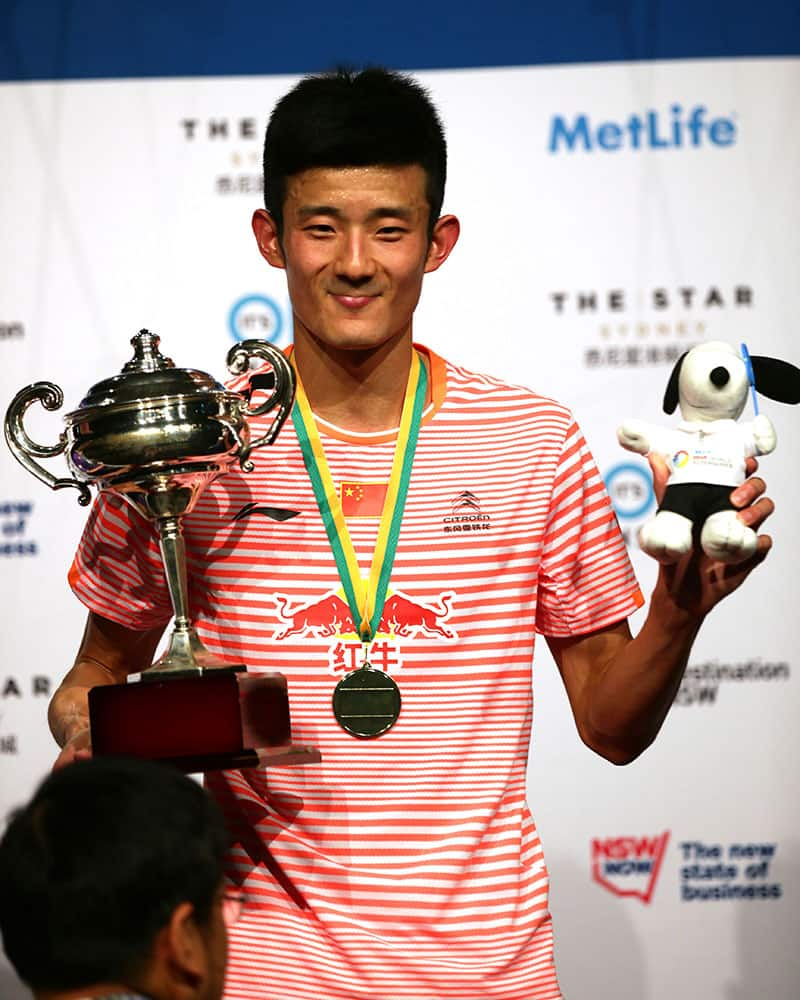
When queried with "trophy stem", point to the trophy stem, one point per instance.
{"points": [[173, 555], [185, 656]]}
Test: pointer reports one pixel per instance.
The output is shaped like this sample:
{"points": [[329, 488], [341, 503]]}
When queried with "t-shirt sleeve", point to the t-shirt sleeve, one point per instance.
{"points": [[586, 580], [117, 571]]}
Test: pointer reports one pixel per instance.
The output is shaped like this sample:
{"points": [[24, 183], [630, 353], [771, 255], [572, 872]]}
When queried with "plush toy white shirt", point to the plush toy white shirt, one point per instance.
{"points": [[711, 452]]}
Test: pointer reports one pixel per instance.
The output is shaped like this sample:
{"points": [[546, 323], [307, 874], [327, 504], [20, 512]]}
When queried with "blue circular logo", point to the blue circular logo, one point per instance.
{"points": [[256, 316], [630, 488]]}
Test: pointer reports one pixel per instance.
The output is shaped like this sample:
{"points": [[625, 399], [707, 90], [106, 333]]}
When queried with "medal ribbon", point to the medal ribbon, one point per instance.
{"points": [[366, 603]]}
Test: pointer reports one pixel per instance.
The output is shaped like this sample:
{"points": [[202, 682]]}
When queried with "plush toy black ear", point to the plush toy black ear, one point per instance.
{"points": [[671, 394], [776, 379]]}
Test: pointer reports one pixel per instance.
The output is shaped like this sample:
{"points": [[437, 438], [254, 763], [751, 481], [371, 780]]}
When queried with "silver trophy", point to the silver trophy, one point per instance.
{"points": [[158, 435]]}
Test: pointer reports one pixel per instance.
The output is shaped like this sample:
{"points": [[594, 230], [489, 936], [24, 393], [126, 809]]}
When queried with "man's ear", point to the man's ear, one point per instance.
{"points": [[445, 235], [266, 233], [179, 964]]}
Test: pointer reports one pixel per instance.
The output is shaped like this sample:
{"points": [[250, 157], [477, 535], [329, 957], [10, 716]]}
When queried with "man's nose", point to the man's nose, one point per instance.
{"points": [[354, 262]]}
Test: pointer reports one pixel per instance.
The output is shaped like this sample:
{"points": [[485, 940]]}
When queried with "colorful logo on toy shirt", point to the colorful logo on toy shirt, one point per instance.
{"points": [[330, 618], [680, 459], [629, 866]]}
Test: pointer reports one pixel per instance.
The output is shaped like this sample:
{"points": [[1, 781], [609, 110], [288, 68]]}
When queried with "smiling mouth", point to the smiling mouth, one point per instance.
{"points": [[353, 302]]}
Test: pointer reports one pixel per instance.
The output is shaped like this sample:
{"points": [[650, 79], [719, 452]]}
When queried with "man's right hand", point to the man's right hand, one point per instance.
{"points": [[78, 748], [108, 653]]}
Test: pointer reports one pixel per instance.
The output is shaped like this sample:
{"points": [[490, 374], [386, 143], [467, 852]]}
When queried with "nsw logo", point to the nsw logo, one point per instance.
{"points": [[629, 866]]}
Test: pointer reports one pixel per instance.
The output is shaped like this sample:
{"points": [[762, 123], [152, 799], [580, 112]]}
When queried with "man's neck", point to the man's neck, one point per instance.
{"points": [[358, 391]]}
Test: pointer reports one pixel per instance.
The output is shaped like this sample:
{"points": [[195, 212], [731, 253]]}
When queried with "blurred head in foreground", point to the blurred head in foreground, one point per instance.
{"points": [[111, 883]]}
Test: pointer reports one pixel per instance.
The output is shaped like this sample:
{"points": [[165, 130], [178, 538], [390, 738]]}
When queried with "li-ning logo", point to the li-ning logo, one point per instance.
{"points": [[629, 866], [274, 513], [466, 514], [650, 129]]}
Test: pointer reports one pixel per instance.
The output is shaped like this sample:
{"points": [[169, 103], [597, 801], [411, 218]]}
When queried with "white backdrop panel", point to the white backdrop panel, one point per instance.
{"points": [[582, 272]]}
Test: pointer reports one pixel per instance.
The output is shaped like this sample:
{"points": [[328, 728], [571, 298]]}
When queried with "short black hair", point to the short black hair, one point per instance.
{"points": [[349, 119], [93, 867]]}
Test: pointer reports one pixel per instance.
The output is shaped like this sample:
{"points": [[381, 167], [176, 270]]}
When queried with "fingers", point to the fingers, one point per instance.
{"points": [[753, 507], [733, 575], [755, 515], [78, 748], [660, 471], [749, 491], [750, 466], [67, 756]]}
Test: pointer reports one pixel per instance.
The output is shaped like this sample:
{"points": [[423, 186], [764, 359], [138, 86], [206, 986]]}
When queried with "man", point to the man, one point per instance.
{"points": [[112, 885], [406, 864]]}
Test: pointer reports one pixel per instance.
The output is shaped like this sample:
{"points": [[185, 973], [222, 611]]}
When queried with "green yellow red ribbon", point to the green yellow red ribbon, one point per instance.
{"points": [[365, 601]]}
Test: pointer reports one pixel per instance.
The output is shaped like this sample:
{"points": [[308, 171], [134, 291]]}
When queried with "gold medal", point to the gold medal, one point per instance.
{"points": [[366, 702]]}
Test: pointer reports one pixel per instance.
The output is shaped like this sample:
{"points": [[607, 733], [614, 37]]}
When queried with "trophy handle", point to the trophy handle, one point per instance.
{"points": [[22, 447], [238, 361]]}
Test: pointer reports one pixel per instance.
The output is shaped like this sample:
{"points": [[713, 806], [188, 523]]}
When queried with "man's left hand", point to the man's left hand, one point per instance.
{"points": [[698, 583]]}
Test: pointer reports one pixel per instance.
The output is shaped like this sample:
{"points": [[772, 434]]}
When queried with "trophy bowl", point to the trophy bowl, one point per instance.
{"points": [[158, 435]]}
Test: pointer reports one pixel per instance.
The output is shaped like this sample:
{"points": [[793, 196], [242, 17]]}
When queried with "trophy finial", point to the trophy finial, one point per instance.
{"points": [[146, 355]]}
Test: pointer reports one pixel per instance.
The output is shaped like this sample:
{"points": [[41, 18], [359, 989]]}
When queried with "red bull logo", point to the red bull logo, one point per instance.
{"points": [[629, 866], [406, 617], [328, 616]]}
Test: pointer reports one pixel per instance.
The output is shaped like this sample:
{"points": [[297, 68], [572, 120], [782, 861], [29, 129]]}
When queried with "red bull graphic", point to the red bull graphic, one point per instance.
{"points": [[629, 866], [328, 616], [405, 617]]}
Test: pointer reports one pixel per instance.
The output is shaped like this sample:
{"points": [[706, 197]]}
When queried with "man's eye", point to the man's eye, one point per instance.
{"points": [[391, 232], [319, 229]]}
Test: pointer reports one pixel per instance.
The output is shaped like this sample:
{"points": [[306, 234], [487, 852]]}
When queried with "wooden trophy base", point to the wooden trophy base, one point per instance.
{"points": [[221, 720]]}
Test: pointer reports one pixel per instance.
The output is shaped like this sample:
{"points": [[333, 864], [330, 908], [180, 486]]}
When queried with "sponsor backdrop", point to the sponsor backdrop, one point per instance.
{"points": [[622, 197]]}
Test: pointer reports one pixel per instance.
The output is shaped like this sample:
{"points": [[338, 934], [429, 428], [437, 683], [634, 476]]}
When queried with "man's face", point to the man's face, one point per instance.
{"points": [[355, 248], [215, 943]]}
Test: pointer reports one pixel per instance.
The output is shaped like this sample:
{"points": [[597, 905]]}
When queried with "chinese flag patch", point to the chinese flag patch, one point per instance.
{"points": [[362, 499]]}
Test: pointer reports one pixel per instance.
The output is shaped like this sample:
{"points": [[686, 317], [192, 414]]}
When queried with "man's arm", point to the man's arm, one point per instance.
{"points": [[108, 653], [620, 688]]}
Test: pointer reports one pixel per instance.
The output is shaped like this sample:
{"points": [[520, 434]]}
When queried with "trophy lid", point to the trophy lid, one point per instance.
{"points": [[149, 374]]}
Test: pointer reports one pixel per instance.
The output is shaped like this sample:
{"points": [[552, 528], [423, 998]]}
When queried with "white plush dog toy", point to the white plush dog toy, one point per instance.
{"points": [[706, 452]]}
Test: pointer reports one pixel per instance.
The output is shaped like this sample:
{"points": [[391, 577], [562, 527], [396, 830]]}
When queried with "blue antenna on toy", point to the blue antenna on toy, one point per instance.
{"points": [[748, 365]]}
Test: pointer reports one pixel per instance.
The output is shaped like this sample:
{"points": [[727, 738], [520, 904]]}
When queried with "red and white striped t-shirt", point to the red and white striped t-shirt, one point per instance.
{"points": [[406, 866]]}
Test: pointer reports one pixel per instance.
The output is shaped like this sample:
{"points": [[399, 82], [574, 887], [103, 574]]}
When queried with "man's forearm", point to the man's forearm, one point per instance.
{"points": [[633, 692], [68, 713], [109, 652]]}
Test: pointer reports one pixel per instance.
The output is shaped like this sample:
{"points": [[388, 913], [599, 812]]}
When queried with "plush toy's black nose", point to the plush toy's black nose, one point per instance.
{"points": [[720, 377]]}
